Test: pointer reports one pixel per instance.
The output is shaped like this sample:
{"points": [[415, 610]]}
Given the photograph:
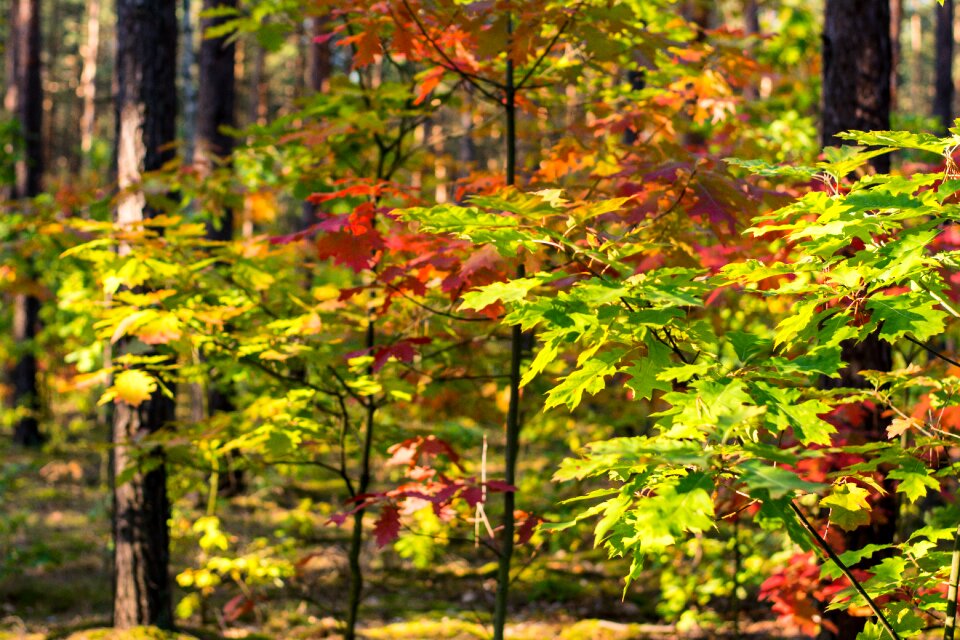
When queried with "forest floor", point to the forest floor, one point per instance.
{"points": [[55, 572]]}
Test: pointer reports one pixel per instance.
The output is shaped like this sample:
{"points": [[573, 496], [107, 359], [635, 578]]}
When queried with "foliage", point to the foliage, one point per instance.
{"points": [[702, 406]]}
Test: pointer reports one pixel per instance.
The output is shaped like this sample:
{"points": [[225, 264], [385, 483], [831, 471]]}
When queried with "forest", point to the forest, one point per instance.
{"points": [[479, 319]]}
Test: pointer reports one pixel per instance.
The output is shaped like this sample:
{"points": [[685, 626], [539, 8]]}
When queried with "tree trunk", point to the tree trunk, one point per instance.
{"points": [[146, 107], [751, 16], [24, 99], [319, 69], [943, 61], [896, 29], [259, 97], [187, 60], [857, 63], [88, 81], [216, 109], [857, 60]]}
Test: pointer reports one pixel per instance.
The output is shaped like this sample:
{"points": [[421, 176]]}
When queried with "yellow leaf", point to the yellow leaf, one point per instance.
{"points": [[899, 426], [161, 330], [133, 387]]}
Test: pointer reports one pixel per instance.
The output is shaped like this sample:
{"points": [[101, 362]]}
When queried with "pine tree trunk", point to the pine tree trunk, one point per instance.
{"points": [[216, 108], [24, 99], [896, 29], [187, 60], [319, 68], [146, 107], [88, 81], [857, 64], [943, 61], [857, 60]]}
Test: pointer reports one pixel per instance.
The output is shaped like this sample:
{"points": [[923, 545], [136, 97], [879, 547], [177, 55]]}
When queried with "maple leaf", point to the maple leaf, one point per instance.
{"points": [[848, 506], [356, 252], [351, 191], [366, 47], [401, 350], [133, 387], [161, 330], [430, 80], [387, 527], [410, 451], [528, 523], [899, 426]]}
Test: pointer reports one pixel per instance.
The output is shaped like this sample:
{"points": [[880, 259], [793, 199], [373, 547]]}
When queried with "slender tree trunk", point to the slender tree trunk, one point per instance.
{"points": [[751, 16], [857, 64], [319, 64], [216, 109], [501, 603], [259, 95], [918, 80], [896, 28], [319, 69], [146, 107], [943, 61], [88, 82], [187, 60], [24, 99]]}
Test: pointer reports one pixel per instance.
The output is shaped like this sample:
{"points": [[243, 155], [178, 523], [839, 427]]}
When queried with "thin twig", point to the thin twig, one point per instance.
{"points": [[844, 570], [546, 51], [450, 65], [933, 351]]}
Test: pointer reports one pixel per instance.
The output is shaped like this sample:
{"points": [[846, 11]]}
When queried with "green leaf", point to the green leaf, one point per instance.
{"points": [[914, 479], [747, 345], [589, 378], [773, 482], [848, 506], [903, 314], [505, 292]]}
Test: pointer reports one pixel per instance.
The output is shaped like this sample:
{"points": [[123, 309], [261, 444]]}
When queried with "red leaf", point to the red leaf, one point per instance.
{"points": [[387, 527], [236, 607], [409, 451], [528, 524], [402, 350], [358, 253], [499, 486], [295, 237], [353, 191]]}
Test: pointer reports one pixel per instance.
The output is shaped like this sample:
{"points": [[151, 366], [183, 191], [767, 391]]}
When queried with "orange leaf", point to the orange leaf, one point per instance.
{"points": [[430, 81]]}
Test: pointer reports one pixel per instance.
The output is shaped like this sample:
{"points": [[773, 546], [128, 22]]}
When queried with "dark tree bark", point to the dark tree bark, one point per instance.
{"points": [[751, 16], [857, 64], [216, 108], [943, 61], [146, 107], [24, 100], [319, 69], [896, 29], [857, 60]]}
